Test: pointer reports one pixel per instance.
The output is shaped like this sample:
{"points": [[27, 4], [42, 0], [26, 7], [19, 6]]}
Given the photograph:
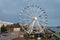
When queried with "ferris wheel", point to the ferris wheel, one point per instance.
{"points": [[33, 15]]}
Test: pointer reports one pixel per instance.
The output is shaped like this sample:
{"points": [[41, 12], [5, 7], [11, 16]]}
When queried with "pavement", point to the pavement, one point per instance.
{"points": [[8, 36], [18, 38]]}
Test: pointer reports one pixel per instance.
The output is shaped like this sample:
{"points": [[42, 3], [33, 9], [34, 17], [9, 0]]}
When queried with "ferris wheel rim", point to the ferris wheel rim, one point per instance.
{"points": [[37, 15]]}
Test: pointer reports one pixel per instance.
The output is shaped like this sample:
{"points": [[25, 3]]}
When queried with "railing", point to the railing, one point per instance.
{"points": [[57, 36]]}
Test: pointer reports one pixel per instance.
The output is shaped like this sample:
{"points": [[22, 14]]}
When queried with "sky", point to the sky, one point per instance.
{"points": [[10, 10]]}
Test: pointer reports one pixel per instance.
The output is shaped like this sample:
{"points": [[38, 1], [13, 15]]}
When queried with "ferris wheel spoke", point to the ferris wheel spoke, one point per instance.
{"points": [[40, 14], [31, 14], [26, 19], [42, 21], [40, 10], [25, 15]]}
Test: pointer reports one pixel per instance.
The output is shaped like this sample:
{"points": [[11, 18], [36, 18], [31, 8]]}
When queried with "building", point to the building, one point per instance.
{"points": [[13, 28], [5, 23]]}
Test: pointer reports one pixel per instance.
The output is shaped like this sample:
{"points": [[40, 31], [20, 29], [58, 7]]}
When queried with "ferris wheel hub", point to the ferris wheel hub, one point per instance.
{"points": [[35, 18]]}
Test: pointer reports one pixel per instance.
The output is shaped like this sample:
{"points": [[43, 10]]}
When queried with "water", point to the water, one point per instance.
{"points": [[57, 30]]}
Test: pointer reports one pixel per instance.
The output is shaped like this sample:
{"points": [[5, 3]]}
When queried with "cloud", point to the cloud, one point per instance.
{"points": [[54, 22], [10, 9]]}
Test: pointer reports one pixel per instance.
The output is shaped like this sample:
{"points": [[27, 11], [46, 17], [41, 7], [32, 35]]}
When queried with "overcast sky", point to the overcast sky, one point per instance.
{"points": [[10, 9]]}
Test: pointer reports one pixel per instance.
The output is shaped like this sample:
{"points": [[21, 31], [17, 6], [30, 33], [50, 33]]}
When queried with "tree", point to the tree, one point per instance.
{"points": [[3, 29]]}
